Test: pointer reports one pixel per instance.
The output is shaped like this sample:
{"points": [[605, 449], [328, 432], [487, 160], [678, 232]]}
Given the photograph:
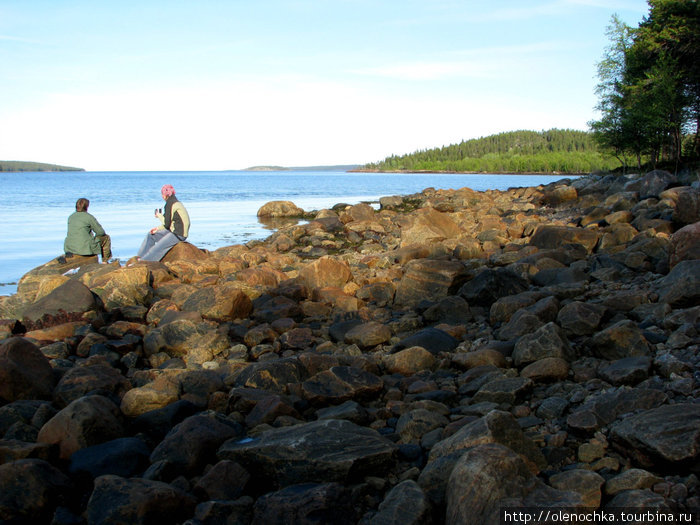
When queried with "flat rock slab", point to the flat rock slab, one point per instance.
{"points": [[669, 434], [326, 450]]}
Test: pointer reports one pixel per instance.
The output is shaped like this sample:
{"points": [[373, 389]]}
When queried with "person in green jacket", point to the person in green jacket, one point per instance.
{"points": [[85, 235]]}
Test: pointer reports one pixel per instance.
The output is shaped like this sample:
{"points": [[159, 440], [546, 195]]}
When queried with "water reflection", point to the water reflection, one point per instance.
{"points": [[275, 223]]}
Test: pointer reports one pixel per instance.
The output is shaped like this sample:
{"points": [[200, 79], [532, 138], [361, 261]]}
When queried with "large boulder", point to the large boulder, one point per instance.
{"points": [[30, 491], [339, 384], [685, 244], [29, 286], [667, 436], [137, 501], [553, 237], [25, 373], [219, 303], [429, 279], [280, 209], [428, 225], [331, 450], [81, 380], [66, 303], [491, 478], [87, 421], [184, 251], [325, 272], [122, 287], [491, 284]]}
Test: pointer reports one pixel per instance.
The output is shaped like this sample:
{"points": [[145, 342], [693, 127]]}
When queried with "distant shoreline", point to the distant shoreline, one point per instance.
{"points": [[18, 166]]}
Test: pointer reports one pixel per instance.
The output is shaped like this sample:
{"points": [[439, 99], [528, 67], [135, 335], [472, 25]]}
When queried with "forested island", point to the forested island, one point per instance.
{"points": [[553, 151], [17, 165]]}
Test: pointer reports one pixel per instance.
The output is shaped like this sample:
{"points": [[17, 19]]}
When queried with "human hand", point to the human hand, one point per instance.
{"points": [[153, 230]]}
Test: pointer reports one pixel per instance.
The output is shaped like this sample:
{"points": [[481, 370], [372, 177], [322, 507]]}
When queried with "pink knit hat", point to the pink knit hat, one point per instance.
{"points": [[167, 190]]}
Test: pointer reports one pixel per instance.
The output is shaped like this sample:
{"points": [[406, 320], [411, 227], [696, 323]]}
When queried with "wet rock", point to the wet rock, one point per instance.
{"points": [[24, 371], [332, 450], [138, 501], [667, 435]]}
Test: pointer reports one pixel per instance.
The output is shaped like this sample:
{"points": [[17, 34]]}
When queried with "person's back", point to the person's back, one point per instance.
{"points": [[85, 235]]}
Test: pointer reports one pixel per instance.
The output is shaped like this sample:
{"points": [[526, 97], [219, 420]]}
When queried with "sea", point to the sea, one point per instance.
{"points": [[223, 205]]}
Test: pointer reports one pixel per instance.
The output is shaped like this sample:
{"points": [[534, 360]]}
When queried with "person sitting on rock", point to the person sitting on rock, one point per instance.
{"points": [[174, 228], [85, 235]]}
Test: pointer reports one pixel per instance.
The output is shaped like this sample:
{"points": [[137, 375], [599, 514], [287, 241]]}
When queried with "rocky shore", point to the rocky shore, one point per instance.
{"points": [[449, 355]]}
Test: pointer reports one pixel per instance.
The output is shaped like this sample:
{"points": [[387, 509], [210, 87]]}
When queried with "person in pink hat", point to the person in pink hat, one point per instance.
{"points": [[174, 228]]}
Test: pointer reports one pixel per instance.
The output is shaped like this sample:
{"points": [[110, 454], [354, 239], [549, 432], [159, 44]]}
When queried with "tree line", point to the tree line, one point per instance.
{"points": [[649, 88], [555, 150], [16, 165]]}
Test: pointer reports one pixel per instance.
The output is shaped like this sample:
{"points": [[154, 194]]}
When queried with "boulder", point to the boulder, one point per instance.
{"points": [[219, 303], [546, 341], [152, 396], [126, 457], [329, 449], [427, 225], [687, 206], [224, 481], [184, 251], [81, 380], [667, 436], [491, 284], [414, 424], [489, 479], [429, 279], [273, 376], [623, 339], [433, 340], [495, 427], [325, 272], [405, 503], [367, 335], [681, 287], [190, 445], [87, 421], [685, 244], [68, 302], [306, 503], [30, 491], [28, 287], [579, 318], [409, 361], [122, 287], [280, 209], [137, 501], [24, 371], [339, 384], [552, 237]]}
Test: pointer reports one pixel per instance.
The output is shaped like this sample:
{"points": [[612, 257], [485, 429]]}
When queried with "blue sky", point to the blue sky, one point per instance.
{"points": [[214, 85]]}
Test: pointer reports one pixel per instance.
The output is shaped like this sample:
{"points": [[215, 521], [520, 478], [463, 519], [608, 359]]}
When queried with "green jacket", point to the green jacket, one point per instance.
{"points": [[80, 239]]}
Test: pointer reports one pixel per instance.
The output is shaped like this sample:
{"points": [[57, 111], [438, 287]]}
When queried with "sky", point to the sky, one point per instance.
{"points": [[160, 85]]}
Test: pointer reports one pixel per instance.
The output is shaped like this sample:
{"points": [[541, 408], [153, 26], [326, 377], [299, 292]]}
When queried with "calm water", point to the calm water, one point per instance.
{"points": [[222, 205]]}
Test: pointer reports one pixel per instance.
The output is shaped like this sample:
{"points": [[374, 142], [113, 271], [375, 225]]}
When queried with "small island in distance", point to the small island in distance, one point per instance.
{"points": [[18, 165]]}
